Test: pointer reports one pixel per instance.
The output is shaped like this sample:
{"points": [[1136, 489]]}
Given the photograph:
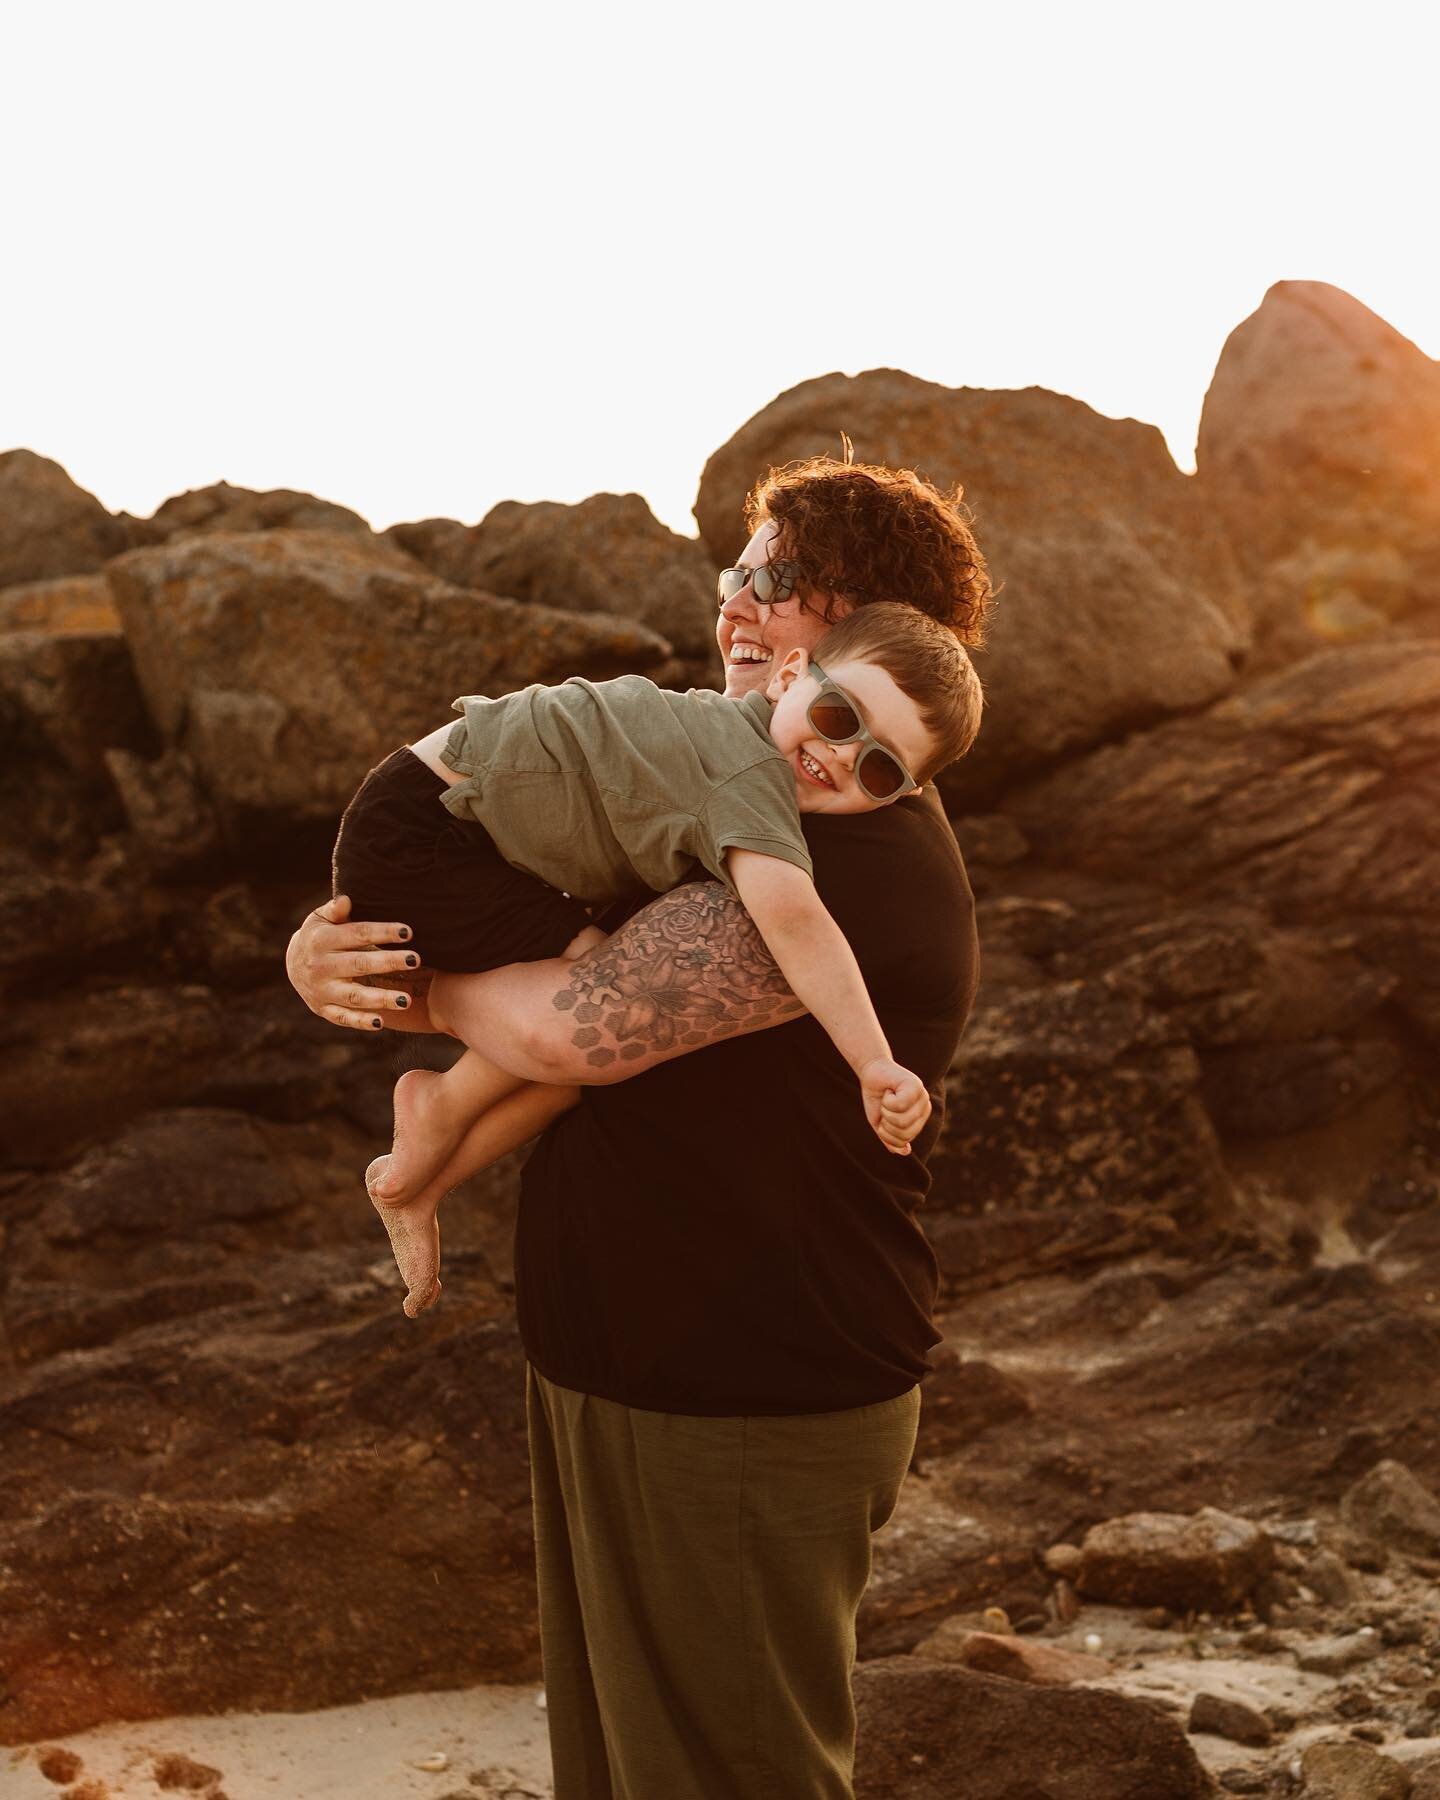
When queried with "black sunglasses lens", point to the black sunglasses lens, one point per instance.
{"points": [[730, 583], [879, 774], [835, 720]]}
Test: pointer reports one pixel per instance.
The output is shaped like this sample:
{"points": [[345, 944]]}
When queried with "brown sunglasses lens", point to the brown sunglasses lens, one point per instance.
{"points": [[834, 720], [879, 774]]}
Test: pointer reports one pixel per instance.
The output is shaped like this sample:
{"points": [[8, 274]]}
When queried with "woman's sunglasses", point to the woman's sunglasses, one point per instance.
{"points": [[836, 718], [774, 582]]}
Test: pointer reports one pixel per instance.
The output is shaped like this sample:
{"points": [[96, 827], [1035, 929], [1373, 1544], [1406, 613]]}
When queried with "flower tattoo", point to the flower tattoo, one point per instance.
{"points": [[688, 970]]}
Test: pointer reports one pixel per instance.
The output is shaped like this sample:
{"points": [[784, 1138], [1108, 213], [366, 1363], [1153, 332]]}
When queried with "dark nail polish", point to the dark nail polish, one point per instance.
{"points": [[379, 1024], [405, 934], [402, 1002], [412, 962]]}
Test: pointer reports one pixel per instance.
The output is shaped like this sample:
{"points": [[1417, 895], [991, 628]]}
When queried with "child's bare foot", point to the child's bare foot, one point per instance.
{"points": [[426, 1135], [414, 1229]]}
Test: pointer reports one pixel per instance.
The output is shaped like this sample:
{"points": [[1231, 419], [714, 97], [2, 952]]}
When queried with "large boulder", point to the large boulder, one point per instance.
{"points": [[1313, 793], [66, 697], [85, 1058], [70, 695], [1119, 599], [1336, 1770], [240, 1477], [48, 525], [287, 663], [1320, 445], [201, 511], [608, 554], [1072, 1094], [68, 603], [932, 1559], [1396, 1509], [1206, 1561], [932, 1731], [1289, 1022], [61, 916]]}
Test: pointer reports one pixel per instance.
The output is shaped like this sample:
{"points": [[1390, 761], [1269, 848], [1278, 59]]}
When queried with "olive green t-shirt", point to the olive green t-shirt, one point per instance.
{"points": [[606, 788]]}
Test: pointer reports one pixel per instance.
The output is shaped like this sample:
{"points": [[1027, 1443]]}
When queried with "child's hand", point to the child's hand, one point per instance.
{"points": [[896, 1103]]}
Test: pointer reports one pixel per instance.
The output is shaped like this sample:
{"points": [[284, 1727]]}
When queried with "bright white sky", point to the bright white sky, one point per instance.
{"points": [[420, 258]]}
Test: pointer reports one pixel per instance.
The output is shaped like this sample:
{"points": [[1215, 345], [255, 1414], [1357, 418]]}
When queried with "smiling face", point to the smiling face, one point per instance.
{"points": [[825, 772], [754, 639]]}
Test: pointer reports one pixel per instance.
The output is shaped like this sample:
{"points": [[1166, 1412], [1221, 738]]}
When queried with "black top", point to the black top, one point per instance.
{"points": [[725, 1234]]}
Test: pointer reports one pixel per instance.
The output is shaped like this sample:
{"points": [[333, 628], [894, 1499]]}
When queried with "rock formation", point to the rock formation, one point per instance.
{"points": [[287, 663], [1119, 601], [48, 525], [1320, 446], [1172, 1524], [222, 508], [609, 554]]}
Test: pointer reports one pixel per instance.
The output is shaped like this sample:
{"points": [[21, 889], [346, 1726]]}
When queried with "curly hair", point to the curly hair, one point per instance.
{"points": [[863, 532]]}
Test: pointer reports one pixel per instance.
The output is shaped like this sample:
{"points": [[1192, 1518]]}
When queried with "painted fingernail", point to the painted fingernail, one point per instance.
{"points": [[412, 962], [402, 1001], [379, 1024], [405, 934]]}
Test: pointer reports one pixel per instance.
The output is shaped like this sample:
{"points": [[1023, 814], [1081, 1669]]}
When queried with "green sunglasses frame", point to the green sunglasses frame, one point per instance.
{"points": [[872, 744]]}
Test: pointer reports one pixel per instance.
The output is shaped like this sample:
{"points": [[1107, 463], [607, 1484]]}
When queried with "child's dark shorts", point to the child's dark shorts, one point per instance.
{"points": [[402, 857]]}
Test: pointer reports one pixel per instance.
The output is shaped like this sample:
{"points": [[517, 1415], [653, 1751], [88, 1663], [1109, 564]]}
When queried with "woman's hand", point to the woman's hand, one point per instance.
{"points": [[333, 966]]}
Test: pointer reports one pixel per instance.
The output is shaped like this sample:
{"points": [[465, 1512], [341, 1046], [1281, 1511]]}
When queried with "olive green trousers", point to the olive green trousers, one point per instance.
{"points": [[699, 1580]]}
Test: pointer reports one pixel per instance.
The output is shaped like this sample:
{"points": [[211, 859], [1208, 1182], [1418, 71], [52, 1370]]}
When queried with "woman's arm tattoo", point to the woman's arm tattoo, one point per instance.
{"points": [[687, 970]]}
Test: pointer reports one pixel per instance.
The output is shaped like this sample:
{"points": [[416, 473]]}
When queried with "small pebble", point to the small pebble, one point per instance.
{"points": [[57, 1764], [1294, 1531], [1094, 1643], [433, 1765], [1064, 1559]]}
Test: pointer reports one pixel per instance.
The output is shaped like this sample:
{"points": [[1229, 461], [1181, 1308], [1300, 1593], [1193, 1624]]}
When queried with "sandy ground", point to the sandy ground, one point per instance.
{"points": [[492, 1739]]}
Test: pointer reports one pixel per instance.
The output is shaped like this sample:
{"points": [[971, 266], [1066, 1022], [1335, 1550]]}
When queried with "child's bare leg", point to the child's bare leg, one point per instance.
{"points": [[414, 1225], [448, 1127], [414, 1232], [433, 1111]]}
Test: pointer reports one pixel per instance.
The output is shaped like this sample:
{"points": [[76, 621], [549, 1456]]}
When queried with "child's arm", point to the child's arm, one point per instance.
{"points": [[812, 954]]}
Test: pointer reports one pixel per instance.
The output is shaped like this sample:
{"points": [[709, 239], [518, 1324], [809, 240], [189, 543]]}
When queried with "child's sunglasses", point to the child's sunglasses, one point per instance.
{"points": [[836, 718], [774, 582]]}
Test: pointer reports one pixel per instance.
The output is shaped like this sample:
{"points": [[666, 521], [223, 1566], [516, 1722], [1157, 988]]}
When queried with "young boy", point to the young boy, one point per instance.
{"points": [[555, 799]]}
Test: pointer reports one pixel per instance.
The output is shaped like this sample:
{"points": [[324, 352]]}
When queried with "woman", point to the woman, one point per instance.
{"points": [[723, 1293]]}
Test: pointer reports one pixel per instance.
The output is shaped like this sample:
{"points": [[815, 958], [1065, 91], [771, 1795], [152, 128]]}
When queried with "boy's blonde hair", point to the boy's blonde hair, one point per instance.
{"points": [[926, 661]]}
